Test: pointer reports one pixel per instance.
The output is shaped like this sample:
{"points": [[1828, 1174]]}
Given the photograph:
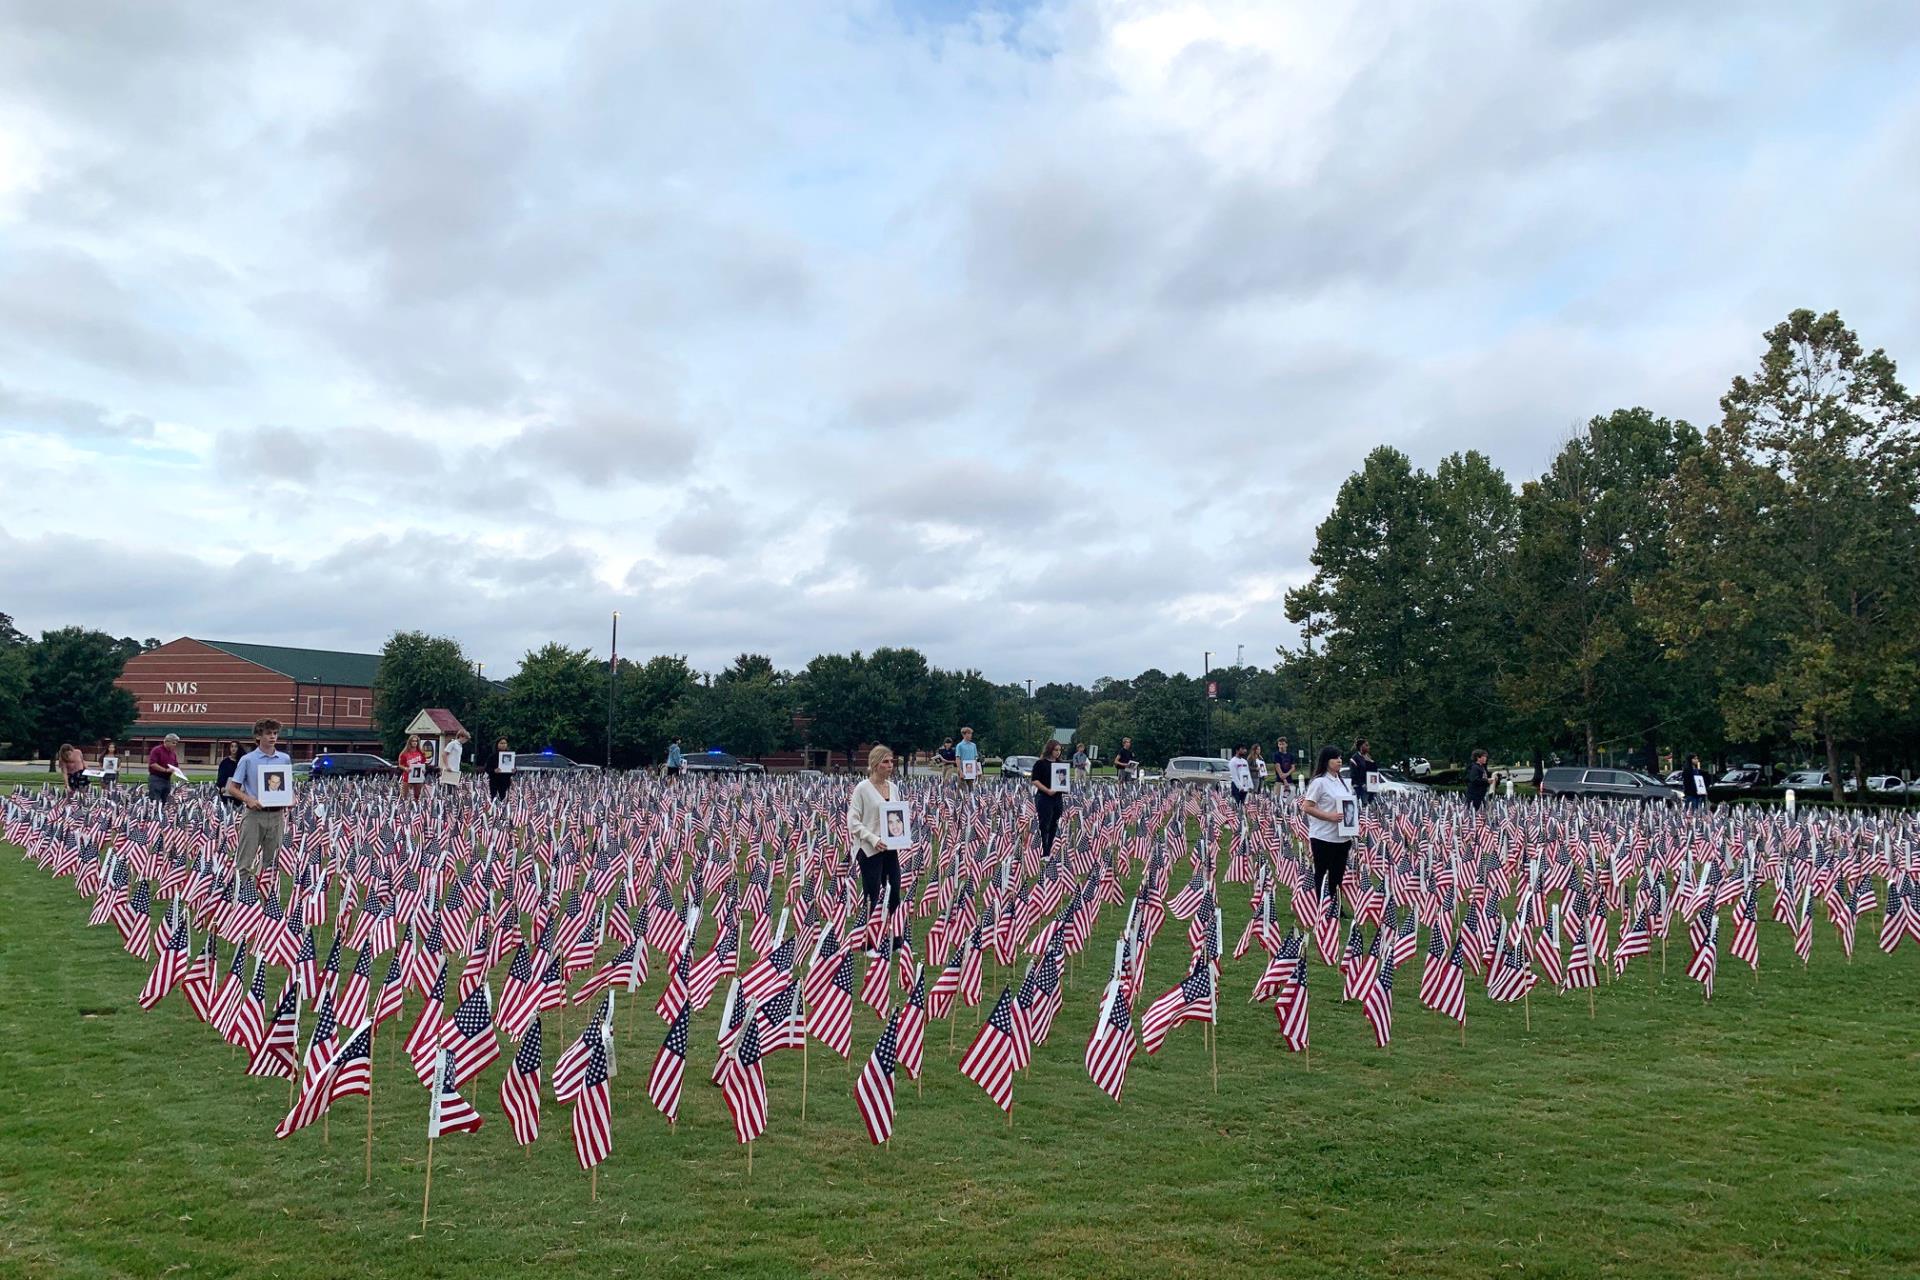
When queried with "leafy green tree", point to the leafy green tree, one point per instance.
{"points": [[418, 671], [1060, 704], [1103, 723], [649, 700], [558, 699], [1797, 564], [834, 694], [16, 719], [1474, 528], [1593, 534], [1370, 600], [900, 686], [748, 716], [1170, 718], [70, 690], [11, 637], [750, 666]]}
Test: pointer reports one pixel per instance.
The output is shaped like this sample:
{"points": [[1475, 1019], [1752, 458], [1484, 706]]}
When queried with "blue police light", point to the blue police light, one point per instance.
{"points": [[715, 751], [547, 752], [326, 759]]}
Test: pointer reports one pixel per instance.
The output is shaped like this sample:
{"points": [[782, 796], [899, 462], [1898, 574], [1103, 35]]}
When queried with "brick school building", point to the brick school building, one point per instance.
{"points": [[211, 691]]}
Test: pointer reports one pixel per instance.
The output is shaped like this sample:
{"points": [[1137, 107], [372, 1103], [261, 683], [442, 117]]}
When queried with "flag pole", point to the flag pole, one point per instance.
{"points": [[593, 1186], [803, 1077], [1213, 1045], [427, 1198], [1526, 1007]]}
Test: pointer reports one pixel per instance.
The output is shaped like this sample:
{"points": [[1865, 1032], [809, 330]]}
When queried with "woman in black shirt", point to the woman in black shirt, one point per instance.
{"points": [[1479, 779], [228, 763], [1047, 803], [1360, 763]]}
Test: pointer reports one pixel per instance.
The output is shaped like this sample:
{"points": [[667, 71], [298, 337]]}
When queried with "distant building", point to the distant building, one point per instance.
{"points": [[211, 691]]}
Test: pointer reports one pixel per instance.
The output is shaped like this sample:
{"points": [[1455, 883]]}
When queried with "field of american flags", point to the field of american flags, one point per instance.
{"points": [[1769, 1130]]}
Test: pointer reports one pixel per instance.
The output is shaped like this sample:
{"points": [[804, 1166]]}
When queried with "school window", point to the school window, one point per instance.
{"points": [[355, 706], [313, 704]]}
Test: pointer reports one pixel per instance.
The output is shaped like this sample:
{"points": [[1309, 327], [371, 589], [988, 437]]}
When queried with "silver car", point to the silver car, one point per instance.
{"points": [[1205, 770]]}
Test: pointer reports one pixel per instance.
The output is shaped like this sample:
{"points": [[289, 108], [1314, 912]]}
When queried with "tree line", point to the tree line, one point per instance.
{"points": [[1750, 591]]}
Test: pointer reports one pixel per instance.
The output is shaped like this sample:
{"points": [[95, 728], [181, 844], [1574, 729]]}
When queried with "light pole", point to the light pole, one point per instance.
{"points": [[1206, 669], [1239, 651], [1029, 711], [613, 668]]}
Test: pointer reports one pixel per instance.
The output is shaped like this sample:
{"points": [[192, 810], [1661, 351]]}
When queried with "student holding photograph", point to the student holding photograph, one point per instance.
{"points": [[228, 763], [965, 752], [1362, 762], [498, 780], [110, 765], [1048, 804], [1329, 804], [878, 865], [262, 827], [450, 757], [412, 756], [1239, 776]]}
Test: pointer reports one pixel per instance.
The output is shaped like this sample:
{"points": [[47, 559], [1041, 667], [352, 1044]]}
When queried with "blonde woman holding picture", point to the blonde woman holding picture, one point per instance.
{"points": [[879, 866]]}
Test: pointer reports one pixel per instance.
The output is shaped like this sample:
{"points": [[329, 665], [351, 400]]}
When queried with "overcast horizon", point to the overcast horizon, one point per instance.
{"points": [[1035, 336]]}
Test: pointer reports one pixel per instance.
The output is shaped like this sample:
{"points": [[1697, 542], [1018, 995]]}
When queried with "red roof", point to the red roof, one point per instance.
{"points": [[443, 720]]}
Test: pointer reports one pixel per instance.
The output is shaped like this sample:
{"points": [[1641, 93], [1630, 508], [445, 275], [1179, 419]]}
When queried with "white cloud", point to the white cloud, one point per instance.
{"points": [[1040, 335]]}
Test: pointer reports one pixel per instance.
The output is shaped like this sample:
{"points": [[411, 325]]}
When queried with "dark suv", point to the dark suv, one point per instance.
{"points": [[352, 764], [550, 761], [1605, 784]]}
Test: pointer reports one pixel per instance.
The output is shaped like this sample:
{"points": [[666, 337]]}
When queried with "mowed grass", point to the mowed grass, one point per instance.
{"points": [[1770, 1133]]}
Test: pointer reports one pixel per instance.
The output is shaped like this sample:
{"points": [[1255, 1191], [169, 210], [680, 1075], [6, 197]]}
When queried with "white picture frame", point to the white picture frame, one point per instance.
{"points": [[416, 773], [1349, 819], [276, 784], [896, 824], [1062, 776], [1373, 781], [506, 762], [110, 766], [970, 770]]}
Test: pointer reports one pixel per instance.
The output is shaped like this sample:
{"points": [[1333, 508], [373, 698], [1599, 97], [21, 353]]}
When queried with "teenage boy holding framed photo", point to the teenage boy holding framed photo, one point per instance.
{"points": [[264, 824]]}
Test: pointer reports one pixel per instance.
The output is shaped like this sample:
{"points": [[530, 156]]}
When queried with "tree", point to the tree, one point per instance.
{"points": [[558, 699], [833, 691], [1474, 528], [418, 671], [748, 716], [900, 689], [1370, 600], [1104, 723], [70, 690], [648, 700], [16, 720], [1169, 718], [1059, 705], [1797, 564], [750, 666], [11, 637], [1593, 533]]}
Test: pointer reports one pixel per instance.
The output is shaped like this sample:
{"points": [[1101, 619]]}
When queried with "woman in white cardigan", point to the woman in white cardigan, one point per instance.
{"points": [[878, 864]]}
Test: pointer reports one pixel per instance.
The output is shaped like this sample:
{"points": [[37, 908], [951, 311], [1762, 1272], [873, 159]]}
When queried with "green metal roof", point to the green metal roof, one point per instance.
{"points": [[309, 666]]}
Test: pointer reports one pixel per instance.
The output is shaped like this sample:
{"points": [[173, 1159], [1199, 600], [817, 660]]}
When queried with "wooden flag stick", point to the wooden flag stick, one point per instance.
{"points": [[368, 1181], [1589, 1003], [1463, 1033], [593, 1186], [1213, 1047], [749, 1159], [803, 1079], [1526, 1007], [427, 1198]]}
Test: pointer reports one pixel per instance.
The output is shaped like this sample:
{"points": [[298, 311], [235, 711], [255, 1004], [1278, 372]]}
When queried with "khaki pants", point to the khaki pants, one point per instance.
{"points": [[260, 834]]}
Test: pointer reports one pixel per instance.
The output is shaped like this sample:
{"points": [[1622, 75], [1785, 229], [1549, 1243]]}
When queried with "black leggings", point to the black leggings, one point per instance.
{"points": [[877, 869], [1048, 808], [497, 783], [1329, 863]]}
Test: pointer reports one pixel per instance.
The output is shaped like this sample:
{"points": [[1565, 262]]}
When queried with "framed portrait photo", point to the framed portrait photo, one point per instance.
{"points": [[506, 762], [1373, 781], [1349, 819], [416, 773], [1062, 776], [276, 785], [970, 769], [896, 824]]}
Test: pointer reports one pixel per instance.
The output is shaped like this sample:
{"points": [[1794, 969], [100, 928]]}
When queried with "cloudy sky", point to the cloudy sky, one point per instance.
{"points": [[1035, 335]]}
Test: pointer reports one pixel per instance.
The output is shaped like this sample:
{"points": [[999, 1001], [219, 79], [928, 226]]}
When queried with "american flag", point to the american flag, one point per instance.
{"points": [[1746, 916], [873, 1089], [353, 1001], [1291, 1005], [423, 1041], [1449, 993], [353, 1068], [280, 1040], [520, 1089], [1377, 1001], [171, 967], [474, 1045], [670, 1066], [199, 982], [593, 1112], [988, 1061], [1111, 1045], [913, 1024], [449, 1112], [1706, 959], [744, 1084], [316, 1090], [1190, 1000], [830, 1004]]}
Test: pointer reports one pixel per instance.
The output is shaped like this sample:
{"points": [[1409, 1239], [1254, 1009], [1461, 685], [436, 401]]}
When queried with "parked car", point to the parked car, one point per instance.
{"points": [[1018, 766], [1605, 784], [715, 763], [352, 764], [1205, 770], [1392, 782], [1419, 767], [1744, 778], [549, 760], [1887, 784], [1804, 780]]}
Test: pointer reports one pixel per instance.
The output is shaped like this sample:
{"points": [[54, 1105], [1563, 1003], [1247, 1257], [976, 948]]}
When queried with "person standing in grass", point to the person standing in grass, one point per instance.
{"points": [[1331, 810], [1362, 762], [1082, 764], [261, 829], [1479, 779], [1283, 763], [1048, 804], [228, 763], [412, 756], [497, 780], [964, 751], [450, 757], [110, 764], [1257, 765], [163, 762], [878, 865]]}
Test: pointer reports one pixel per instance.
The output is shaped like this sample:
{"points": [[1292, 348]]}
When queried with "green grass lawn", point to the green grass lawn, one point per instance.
{"points": [[1770, 1133]]}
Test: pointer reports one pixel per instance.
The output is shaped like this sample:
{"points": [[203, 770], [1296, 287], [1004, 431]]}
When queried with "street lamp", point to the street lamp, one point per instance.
{"points": [[613, 669], [1029, 710], [1206, 669]]}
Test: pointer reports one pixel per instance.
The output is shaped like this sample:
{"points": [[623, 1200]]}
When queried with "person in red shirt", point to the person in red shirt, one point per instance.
{"points": [[411, 756], [162, 761]]}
